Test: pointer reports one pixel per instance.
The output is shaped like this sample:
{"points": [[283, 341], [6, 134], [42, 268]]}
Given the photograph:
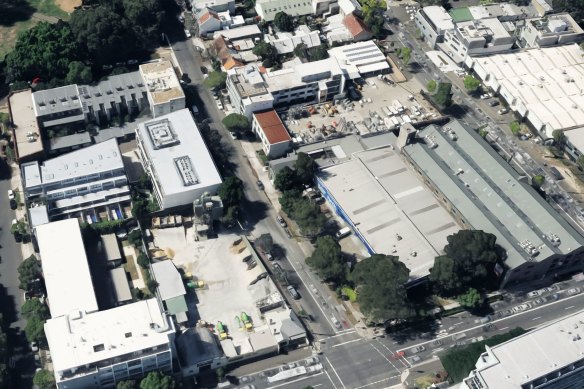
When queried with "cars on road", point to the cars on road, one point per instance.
{"points": [[573, 291], [336, 323], [281, 222], [11, 194], [13, 204], [493, 103], [293, 292], [503, 111], [260, 185]]}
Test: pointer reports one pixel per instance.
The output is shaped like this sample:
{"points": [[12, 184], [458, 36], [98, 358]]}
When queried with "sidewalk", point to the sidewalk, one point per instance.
{"points": [[16, 183]]}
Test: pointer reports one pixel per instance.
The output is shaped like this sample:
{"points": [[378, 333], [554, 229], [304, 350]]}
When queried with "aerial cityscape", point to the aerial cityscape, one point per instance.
{"points": [[292, 194]]}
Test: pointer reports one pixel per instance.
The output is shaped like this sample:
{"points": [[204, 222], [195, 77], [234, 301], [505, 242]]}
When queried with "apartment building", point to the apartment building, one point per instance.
{"points": [[247, 91], [267, 9], [268, 127], [165, 94], [177, 160], [77, 183], [433, 21], [551, 30]]}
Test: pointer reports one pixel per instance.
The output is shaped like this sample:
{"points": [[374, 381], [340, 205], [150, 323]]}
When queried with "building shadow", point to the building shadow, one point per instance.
{"points": [[12, 13]]}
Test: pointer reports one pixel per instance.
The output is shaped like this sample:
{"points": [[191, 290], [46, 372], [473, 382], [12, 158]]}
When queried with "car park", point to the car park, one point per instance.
{"points": [[521, 308], [573, 291], [293, 292], [281, 222]]}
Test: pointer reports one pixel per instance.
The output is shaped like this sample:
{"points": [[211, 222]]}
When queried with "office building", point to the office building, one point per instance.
{"points": [[548, 357], [267, 9], [80, 182], [483, 192], [361, 59], [433, 21], [269, 128], [552, 30], [100, 349], [65, 268], [164, 91], [176, 158], [247, 91], [215, 5]]}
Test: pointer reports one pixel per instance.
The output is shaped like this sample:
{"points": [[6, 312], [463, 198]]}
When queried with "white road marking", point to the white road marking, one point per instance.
{"points": [[335, 371], [570, 307], [387, 348], [535, 318], [377, 382], [296, 380], [504, 328], [330, 379], [342, 333], [384, 357], [344, 343]]}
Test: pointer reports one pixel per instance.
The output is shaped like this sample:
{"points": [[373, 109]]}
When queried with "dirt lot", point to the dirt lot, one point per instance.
{"points": [[68, 5]]}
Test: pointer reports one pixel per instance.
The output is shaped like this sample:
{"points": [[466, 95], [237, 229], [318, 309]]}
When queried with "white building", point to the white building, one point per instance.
{"points": [[269, 128], [247, 90], [215, 5], [267, 9], [547, 357], [165, 93], [79, 182], [103, 348], [286, 42], [433, 22], [176, 158], [542, 85], [361, 59], [551, 30], [65, 269], [476, 37]]}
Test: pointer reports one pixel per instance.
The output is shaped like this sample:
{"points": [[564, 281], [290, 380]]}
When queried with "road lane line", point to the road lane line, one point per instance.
{"points": [[347, 342], [296, 380], [378, 382], [392, 352], [570, 307], [335, 371], [384, 357], [535, 318], [504, 328], [342, 333], [330, 379]]}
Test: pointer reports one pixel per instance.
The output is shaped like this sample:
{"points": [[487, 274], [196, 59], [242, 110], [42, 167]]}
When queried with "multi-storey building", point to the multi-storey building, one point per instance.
{"points": [[433, 22], [269, 128], [247, 91], [77, 183], [165, 93], [551, 30], [177, 160]]}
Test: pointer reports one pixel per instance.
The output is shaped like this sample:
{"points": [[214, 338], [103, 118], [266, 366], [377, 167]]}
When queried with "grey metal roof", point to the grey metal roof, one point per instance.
{"points": [[120, 284], [110, 247], [169, 280], [63, 142], [489, 195], [196, 345], [51, 101]]}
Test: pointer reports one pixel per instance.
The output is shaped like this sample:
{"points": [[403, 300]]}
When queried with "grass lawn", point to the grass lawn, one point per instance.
{"points": [[49, 8], [8, 34]]}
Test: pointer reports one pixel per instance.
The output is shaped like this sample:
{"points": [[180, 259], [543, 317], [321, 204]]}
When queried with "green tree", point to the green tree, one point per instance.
{"points": [[380, 284], [44, 379], [431, 86], [157, 380], [305, 168], [28, 271], [307, 215], [559, 138], [230, 216], [35, 329], [144, 18], [581, 162], [135, 238], [34, 307], [286, 179], [45, 51], [443, 96], [327, 260], [471, 257], [264, 50], [235, 122], [405, 54], [537, 181], [515, 128], [151, 285], [472, 299], [284, 22], [372, 11], [128, 384], [78, 73], [265, 243], [231, 191], [216, 80], [471, 84], [300, 50], [289, 199], [318, 53], [143, 260]]}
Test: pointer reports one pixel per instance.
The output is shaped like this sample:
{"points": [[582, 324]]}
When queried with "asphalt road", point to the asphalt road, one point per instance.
{"points": [[11, 297]]}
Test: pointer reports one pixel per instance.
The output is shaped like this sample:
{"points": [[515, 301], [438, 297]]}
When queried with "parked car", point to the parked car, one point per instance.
{"points": [[293, 292], [415, 359], [549, 289], [521, 308], [13, 204], [270, 257], [281, 222], [277, 267], [260, 185], [503, 111], [493, 103], [11, 195], [122, 233], [485, 96], [573, 291], [312, 361], [534, 293], [188, 33], [417, 349], [34, 346], [436, 343], [233, 135]]}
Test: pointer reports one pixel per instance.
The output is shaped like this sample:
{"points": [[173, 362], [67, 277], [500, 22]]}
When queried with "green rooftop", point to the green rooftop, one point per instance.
{"points": [[460, 14]]}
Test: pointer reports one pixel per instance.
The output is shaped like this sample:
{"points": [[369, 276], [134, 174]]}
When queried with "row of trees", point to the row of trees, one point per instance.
{"points": [[72, 52], [466, 271], [153, 380]]}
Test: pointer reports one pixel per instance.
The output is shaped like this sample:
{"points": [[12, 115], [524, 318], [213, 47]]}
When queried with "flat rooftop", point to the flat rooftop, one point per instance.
{"points": [[239, 32], [248, 81], [487, 193], [302, 74], [161, 81], [365, 56], [483, 28], [55, 100], [391, 208], [438, 15], [65, 268], [177, 153], [76, 341], [547, 83], [25, 124], [535, 354]]}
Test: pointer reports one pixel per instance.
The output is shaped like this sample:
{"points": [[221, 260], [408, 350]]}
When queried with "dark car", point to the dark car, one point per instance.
{"points": [[493, 103], [204, 70], [13, 204], [260, 185]]}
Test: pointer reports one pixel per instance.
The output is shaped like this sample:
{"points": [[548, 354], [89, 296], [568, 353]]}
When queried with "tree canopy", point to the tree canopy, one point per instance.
{"points": [[305, 168], [157, 380], [471, 84], [127, 384], [265, 243], [372, 11], [471, 299], [268, 53], [28, 271], [470, 260], [443, 96], [327, 260], [431, 86], [44, 379], [235, 122], [231, 191], [284, 22], [380, 284], [215, 80], [537, 181], [306, 214], [286, 179]]}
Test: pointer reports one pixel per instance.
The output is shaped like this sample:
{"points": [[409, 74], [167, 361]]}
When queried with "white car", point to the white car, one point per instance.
{"points": [[188, 33], [233, 135], [11, 194], [220, 105], [503, 111], [573, 291], [417, 349], [485, 96], [534, 293], [521, 308]]}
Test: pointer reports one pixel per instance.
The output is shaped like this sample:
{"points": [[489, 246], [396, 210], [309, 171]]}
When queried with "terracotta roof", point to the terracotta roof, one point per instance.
{"points": [[355, 25], [232, 63], [225, 55], [206, 15], [272, 126]]}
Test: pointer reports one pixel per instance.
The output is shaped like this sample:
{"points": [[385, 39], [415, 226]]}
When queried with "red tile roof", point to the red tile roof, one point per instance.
{"points": [[272, 126], [355, 25], [206, 16]]}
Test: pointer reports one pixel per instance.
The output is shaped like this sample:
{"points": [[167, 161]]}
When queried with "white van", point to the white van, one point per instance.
{"points": [[343, 232]]}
